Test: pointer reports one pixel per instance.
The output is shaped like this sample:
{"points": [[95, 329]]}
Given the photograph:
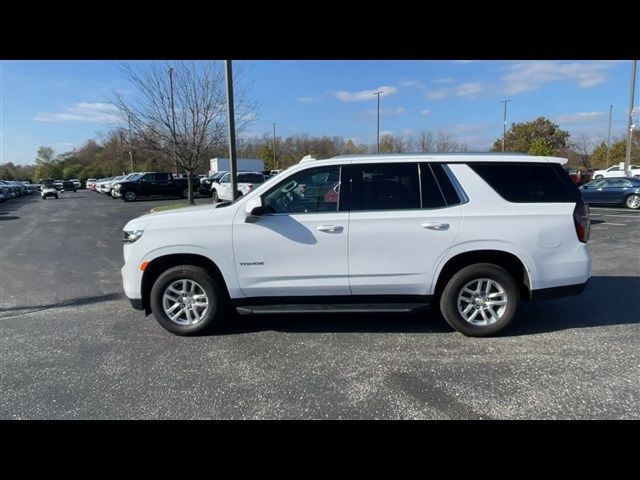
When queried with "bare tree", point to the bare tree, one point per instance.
{"points": [[199, 108], [425, 141], [583, 145], [444, 142]]}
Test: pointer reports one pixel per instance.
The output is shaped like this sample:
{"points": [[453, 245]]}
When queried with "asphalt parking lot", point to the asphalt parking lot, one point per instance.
{"points": [[72, 347]]}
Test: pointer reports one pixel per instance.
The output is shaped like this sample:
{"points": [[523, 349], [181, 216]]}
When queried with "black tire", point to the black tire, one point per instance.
{"points": [[218, 299], [632, 201], [214, 196], [185, 193], [129, 196], [598, 177], [449, 299], [56, 197]]}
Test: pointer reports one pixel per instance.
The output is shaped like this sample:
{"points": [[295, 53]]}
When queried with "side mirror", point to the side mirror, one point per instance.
{"points": [[254, 210]]}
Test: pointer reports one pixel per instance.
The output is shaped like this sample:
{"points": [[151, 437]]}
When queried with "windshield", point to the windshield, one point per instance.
{"points": [[250, 178]]}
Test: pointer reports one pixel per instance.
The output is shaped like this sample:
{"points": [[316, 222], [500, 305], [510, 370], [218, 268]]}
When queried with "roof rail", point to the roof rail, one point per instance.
{"points": [[307, 158]]}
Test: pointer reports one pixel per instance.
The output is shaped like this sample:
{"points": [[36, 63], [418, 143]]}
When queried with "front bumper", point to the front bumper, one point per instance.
{"points": [[136, 303]]}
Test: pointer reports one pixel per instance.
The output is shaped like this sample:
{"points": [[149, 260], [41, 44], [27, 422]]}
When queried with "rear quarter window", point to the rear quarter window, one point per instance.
{"points": [[528, 183]]}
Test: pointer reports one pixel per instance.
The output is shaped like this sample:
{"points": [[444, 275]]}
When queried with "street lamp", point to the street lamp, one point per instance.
{"points": [[275, 166], [378, 129], [504, 123]]}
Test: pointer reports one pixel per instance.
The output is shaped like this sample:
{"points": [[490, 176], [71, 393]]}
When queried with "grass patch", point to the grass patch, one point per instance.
{"points": [[171, 206]]}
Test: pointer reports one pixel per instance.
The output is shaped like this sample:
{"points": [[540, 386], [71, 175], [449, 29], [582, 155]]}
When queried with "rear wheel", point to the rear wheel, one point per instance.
{"points": [[186, 300], [633, 201], [480, 300]]}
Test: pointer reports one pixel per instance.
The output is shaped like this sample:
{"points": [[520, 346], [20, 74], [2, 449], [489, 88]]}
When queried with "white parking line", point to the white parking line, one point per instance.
{"points": [[618, 224], [622, 216]]}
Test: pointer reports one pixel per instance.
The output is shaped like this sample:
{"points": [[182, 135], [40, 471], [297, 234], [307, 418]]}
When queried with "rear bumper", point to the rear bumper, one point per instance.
{"points": [[558, 292]]}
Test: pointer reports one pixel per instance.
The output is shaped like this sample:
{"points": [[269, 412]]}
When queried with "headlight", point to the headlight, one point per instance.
{"points": [[131, 236]]}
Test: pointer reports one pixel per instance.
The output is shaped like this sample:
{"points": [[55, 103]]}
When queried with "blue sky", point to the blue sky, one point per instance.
{"points": [[64, 103]]}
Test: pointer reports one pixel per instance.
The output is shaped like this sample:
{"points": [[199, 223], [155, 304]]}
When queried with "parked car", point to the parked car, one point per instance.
{"points": [[68, 186], [90, 184], [615, 171], [151, 184], [616, 191], [206, 184], [574, 174], [77, 183], [247, 181], [453, 231]]}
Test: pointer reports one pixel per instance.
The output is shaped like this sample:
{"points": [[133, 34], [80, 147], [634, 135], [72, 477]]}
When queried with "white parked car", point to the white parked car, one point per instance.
{"points": [[452, 231], [615, 171], [247, 181]]}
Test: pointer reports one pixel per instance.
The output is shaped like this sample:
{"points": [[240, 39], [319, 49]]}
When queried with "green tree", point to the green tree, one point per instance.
{"points": [[46, 162], [541, 147], [520, 137]]}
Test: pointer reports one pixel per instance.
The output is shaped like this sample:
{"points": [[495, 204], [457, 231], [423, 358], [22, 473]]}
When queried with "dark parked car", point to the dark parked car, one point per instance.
{"points": [[151, 184], [617, 191], [68, 186]]}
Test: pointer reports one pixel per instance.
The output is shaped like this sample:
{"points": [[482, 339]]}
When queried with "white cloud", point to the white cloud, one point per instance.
{"points": [[345, 96], [464, 90], [582, 117], [83, 112], [408, 83], [389, 112], [407, 132], [307, 99], [526, 76], [443, 81], [426, 111], [386, 132], [248, 117]]}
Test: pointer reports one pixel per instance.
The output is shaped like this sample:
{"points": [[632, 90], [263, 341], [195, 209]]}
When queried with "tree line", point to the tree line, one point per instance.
{"points": [[116, 153]]}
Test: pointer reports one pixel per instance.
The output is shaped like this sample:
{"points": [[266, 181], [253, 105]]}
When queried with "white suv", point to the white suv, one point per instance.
{"points": [[471, 235], [247, 181]]}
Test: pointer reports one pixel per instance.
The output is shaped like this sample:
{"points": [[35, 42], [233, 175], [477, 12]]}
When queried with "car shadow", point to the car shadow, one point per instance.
{"points": [[67, 303], [11, 217], [606, 301]]}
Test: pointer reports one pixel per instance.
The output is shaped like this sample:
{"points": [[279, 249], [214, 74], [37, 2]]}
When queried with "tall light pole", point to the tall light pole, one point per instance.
{"points": [[232, 130], [504, 122], [609, 137], [275, 158], [378, 129], [173, 120], [627, 159]]}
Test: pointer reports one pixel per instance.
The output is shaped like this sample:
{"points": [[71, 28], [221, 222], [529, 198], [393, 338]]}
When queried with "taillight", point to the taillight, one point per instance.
{"points": [[582, 221]]}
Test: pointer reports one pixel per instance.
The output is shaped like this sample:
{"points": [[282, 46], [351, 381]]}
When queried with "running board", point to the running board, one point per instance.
{"points": [[331, 308]]}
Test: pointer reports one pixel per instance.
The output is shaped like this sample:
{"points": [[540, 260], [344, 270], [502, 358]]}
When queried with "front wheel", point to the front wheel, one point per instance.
{"points": [[633, 201], [185, 193], [598, 177], [186, 300], [214, 196], [480, 300], [130, 196]]}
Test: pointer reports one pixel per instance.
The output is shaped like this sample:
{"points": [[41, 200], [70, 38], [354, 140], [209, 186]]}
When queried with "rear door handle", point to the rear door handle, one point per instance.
{"points": [[436, 226], [329, 228]]}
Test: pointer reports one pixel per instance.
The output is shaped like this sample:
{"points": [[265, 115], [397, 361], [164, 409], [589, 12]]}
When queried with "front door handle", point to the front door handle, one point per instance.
{"points": [[436, 226], [329, 228]]}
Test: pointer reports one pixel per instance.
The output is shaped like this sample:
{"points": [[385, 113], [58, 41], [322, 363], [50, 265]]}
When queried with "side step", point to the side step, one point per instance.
{"points": [[331, 308]]}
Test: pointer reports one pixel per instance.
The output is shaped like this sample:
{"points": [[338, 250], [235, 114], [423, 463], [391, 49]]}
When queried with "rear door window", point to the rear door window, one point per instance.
{"points": [[385, 186]]}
